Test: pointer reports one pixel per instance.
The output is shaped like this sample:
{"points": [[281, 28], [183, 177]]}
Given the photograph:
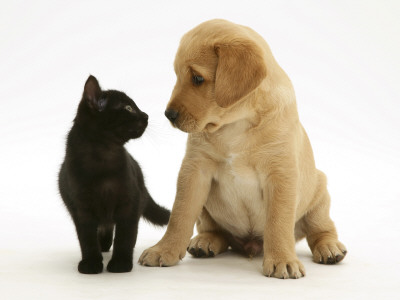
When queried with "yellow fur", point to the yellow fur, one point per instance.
{"points": [[249, 171]]}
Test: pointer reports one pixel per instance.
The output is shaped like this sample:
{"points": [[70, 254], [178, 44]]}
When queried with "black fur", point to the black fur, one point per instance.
{"points": [[101, 184]]}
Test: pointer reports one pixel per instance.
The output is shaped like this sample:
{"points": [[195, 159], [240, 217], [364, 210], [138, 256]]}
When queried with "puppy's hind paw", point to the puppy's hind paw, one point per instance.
{"points": [[329, 253], [207, 244]]}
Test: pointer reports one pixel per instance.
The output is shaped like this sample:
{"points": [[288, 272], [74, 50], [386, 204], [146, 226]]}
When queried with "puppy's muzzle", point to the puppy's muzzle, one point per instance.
{"points": [[172, 115]]}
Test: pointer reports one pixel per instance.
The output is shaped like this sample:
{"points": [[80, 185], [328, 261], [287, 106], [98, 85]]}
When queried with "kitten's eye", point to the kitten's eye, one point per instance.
{"points": [[197, 79], [129, 108]]}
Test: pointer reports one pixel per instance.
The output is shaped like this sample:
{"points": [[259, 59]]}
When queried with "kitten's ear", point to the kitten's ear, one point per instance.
{"points": [[92, 92]]}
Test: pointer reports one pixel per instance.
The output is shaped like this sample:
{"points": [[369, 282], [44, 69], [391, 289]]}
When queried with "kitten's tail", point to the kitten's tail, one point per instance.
{"points": [[155, 213]]}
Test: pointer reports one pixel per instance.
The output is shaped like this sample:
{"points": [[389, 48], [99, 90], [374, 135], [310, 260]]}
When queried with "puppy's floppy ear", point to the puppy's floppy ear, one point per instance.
{"points": [[91, 94], [240, 70]]}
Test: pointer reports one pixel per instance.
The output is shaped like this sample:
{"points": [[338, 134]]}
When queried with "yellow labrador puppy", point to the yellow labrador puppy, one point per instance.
{"points": [[248, 177]]}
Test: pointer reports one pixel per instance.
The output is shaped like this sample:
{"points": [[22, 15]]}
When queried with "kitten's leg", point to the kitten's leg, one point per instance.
{"points": [[92, 260], [105, 236], [124, 242]]}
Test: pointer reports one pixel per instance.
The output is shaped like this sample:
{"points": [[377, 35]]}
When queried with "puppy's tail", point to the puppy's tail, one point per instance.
{"points": [[155, 213]]}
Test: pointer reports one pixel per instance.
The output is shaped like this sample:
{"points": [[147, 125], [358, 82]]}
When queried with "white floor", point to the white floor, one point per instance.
{"points": [[51, 272], [343, 60]]}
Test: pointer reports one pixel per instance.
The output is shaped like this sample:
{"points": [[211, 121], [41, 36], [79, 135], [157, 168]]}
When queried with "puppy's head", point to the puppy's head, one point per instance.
{"points": [[217, 65]]}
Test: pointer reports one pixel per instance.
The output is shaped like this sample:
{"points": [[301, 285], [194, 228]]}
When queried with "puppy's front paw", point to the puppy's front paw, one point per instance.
{"points": [[283, 268], [159, 256]]}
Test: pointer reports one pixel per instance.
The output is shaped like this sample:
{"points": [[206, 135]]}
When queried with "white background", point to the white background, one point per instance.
{"points": [[343, 59]]}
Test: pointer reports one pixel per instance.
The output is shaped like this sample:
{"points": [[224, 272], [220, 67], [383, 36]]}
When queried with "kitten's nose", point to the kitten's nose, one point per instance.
{"points": [[171, 114], [145, 116]]}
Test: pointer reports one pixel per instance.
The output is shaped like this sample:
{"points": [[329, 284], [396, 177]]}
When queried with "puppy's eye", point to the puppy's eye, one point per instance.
{"points": [[197, 79], [129, 108]]}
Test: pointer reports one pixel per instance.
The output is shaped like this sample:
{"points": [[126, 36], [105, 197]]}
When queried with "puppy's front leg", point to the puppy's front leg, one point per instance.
{"points": [[194, 184], [280, 258]]}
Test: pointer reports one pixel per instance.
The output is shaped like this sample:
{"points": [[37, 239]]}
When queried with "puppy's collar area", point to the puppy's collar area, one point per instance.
{"points": [[212, 127]]}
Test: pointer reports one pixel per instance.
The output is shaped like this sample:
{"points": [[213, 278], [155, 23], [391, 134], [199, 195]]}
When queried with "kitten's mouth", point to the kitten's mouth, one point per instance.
{"points": [[135, 133]]}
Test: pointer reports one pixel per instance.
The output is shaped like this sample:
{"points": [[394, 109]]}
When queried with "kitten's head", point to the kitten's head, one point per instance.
{"points": [[111, 113]]}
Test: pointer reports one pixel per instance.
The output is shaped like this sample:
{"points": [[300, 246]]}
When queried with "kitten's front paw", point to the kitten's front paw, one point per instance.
{"points": [[90, 266], [283, 268], [119, 265], [159, 256]]}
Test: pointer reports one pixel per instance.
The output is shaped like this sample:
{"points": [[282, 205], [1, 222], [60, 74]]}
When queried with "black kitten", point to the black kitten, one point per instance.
{"points": [[101, 184]]}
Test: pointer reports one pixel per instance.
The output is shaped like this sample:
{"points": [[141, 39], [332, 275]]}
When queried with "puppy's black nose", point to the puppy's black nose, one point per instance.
{"points": [[171, 114]]}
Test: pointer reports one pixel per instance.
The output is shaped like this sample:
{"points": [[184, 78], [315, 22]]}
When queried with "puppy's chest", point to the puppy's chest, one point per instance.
{"points": [[236, 200]]}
